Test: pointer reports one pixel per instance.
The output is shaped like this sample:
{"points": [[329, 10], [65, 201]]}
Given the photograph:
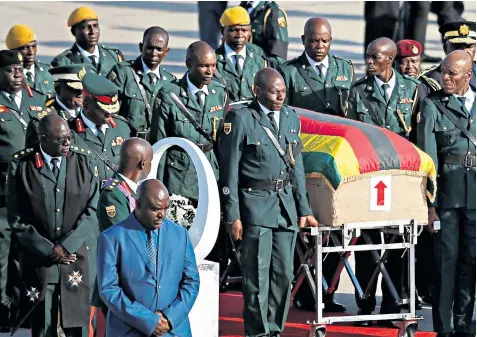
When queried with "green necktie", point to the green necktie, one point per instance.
{"points": [[100, 133], [385, 86], [320, 71], [238, 68]]}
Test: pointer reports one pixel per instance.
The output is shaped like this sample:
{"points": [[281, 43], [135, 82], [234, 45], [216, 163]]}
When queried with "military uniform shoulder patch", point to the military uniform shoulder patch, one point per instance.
{"points": [[22, 154], [282, 22], [80, 150], [227, 128], [111, 211]]}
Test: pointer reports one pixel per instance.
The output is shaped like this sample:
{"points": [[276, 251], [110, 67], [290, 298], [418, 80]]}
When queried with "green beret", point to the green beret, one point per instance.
{"points": [[102, 90], [9, 57]]}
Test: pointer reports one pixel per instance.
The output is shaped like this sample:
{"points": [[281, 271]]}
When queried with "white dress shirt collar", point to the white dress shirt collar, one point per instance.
{"points": [[18, 97], [391, 82], [72, 113], [31, 70], [314, 64], [87, 54], [469, 98], [92, 126], [254, 5], [276, 114], [132, 185], [147, 70], [48, 159], [193, 89], [229, 53]]}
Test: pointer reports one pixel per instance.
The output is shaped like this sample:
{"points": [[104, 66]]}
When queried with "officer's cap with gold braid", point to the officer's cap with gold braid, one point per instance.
{"points": [[459, 32], [18, 36], [102, 90], [71, 74], [235, 16], [10, 57], [80, 14]]}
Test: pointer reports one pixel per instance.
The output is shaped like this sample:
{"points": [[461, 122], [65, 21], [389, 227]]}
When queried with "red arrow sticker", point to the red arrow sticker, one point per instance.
{"points": [[380, 190]]}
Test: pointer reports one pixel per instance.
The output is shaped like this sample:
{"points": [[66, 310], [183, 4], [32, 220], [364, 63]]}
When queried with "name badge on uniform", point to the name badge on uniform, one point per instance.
{"points": [[215, 108], [341, 78], [406, 100]]}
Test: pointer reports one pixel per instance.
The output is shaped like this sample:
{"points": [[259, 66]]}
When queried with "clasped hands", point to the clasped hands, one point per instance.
{"points": [[59, 255], [235, 228], [162, 325]]}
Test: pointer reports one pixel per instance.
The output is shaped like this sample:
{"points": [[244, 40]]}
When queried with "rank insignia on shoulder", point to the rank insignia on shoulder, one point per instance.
{"points": [[111, 211], [3, 109], [227, 128], [282, 22], [341, 78], [45, 81], [112, 76], [215, 108], [96, 173], [406, 100]]}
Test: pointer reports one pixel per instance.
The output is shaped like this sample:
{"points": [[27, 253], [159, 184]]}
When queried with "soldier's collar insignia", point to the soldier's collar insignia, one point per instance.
{"points": [[41, 68], [227, 128], [33, 294], [213, 91], [80, 125], [415, 51], [3, 109], [445, 99], [369, 88], [111, 211], [464, 30], [75, 278], [183, 93], [38, 160], [112, 122]]}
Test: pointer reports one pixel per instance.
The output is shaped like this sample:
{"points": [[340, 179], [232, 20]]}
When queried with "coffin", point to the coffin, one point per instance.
{"points": [[358, 172]]}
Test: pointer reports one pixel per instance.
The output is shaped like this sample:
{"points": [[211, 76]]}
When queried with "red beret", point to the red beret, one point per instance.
{"points": [[407, 48]]}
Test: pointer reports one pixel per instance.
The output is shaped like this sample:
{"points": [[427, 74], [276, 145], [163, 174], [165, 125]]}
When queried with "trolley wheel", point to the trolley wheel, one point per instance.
{"points": [[320, 332], [411, 330]]}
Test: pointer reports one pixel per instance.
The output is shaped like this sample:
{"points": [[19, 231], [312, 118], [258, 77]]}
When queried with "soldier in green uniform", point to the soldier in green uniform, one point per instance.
{"points": [[447, 133], [238, 60], [318, 80], [85, 28], [387, 99], [139, 81], [98, 128], [18, 104], [23, 39], [69, 90], [457, 35], [263, 197], [269, 29], [117, 199], [204, 102], [52, 198]]}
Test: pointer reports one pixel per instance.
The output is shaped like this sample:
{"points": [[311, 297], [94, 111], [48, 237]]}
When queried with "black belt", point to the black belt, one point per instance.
{"points": [[262, 185], [205, 147], [143, 134], [466, 161]]}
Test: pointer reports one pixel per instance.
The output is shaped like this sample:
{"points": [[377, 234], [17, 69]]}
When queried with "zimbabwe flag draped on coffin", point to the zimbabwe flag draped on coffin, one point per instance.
{"points": [[340, 151]]}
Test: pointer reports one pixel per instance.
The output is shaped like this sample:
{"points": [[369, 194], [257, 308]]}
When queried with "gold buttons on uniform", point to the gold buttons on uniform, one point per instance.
{"points": [[57, 190], [57, 210]]}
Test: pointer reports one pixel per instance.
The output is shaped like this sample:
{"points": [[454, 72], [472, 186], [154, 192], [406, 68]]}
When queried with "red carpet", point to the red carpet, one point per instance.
{"points": [[231, 322]]}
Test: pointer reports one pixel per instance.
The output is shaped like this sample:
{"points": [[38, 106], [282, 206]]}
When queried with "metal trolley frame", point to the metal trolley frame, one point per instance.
{"points": [[312, 256]]}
